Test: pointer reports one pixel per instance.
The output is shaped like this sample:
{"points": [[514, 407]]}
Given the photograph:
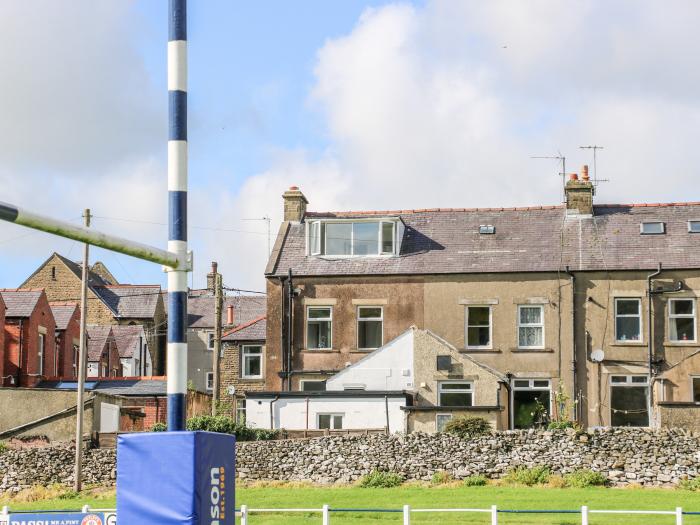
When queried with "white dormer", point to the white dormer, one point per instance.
{"points": [[375, 237]]}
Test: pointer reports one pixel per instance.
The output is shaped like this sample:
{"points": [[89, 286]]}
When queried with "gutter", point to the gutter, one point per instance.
{"points": [[573, 341]]}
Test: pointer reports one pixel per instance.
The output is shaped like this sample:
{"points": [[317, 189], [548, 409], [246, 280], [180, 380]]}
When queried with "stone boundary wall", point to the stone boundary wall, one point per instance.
{"points": [[625, 456]]}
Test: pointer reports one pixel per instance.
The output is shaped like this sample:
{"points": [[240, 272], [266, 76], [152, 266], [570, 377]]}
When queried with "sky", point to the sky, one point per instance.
{"points": [[363, 105]]}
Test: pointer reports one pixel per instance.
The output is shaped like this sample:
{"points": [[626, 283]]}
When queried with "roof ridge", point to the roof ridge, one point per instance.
{"points": [[62, 303], [245, 325], [21, 289]]}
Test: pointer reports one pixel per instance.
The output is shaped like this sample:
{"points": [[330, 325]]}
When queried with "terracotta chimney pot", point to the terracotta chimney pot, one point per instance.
{"points": [[584, 173], [573, 176], [229, 314]]}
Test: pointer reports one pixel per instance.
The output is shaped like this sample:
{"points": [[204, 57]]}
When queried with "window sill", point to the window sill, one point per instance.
{"points": [[628, 343], [481, 350], [532, 350], [681, 343], [362, 350], [319, 351], [252, 379]]}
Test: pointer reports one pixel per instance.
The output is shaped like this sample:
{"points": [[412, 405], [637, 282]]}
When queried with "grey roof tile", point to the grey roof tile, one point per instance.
{"points": [[255, 330], [127, 339], [98, 336], [20, 303], [200, 309], [63, 313], [130, 301]]}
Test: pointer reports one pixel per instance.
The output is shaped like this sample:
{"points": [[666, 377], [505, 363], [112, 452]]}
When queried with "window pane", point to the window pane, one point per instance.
{"points": [[521, 383], [387, 237], [694, 226], [442, 420], [682, 307], [368, 313], [628, 306], [315, 237], [319, 334], [696, 389], [252, 366], [455, 386], [530, 336], [639, 379], [541, 383], [338, 238], [313, 386], [652, 227], [479, 315], [337, 422], [456, 399], [324, 421], [530, 315], [628, 329], [618, 379], [478, 336], [682, 329], [366, 238], [319, 313], [629, 407], [369, 334]]}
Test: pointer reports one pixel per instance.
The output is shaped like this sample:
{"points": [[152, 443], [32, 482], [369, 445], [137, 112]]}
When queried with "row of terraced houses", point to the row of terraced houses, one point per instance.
{"points": [[403, 320]]}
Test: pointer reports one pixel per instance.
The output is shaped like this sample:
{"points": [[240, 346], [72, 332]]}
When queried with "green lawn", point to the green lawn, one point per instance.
{"points": [[436, 497]]}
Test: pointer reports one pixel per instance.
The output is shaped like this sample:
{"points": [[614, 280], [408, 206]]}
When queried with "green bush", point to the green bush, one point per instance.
{"points": [[468, 427], [224, 425], [560, 425], [528, 476], [441, 477], [584, 478], [380, 479], [3, 447], [475, 480], [690, 484]]}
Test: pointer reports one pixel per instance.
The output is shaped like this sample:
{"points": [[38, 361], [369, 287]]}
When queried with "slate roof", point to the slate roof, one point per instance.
{"points": [[118, 387], [20, 303], [62, 313], [127, 339], [255, 330], [97, 339], [536, 239], [130, 300], [200, 309]]}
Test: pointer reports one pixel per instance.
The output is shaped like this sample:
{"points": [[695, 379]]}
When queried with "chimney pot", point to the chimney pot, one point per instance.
{"points": [[294, 188], [214, 266], [584, 173], [573, 176], [229, 315]]}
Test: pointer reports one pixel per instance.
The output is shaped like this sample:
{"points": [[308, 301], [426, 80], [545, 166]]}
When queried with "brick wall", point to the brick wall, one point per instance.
{"points": [[66, 340], [2, 342]]}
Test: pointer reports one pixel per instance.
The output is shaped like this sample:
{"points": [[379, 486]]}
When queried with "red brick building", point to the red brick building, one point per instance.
{"points": [[2, 341], [29, 351], [67, 317]]}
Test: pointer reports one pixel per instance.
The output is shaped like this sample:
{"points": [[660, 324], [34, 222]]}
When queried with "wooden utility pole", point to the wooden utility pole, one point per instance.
{"points": [[216, 358], [82, 366]]}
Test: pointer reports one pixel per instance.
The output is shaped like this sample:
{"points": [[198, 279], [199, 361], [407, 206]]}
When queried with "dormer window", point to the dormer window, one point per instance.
{"points": [[652, 228], [352, 238]]}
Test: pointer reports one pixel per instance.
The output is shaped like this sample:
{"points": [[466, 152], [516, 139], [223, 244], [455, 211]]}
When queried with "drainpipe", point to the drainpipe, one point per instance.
{"points": [[282, 318], [573, 340], [272, 419], [650, 334], [509, 377], [21, 351], [290, 330], [307, 413], [386, 410]]}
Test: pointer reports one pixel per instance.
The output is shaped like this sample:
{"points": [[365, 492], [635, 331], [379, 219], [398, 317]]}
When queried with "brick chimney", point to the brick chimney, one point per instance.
{"points": [[294, 204], [579, 193], [211, 282]]}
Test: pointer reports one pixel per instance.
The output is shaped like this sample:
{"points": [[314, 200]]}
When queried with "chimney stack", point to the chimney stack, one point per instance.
{"points": [[211, 277], [294, 204], [229, 315], [579, 194]]}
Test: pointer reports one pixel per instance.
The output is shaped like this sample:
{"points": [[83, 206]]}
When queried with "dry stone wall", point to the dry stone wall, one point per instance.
{"points": [[624, 456]]}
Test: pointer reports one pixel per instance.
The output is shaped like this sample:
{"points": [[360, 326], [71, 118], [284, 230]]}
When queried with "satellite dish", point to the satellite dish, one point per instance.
{"points": [[231, 390], [597, 355]]}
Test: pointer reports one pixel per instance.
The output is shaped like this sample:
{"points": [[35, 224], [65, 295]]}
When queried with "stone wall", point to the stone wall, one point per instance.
{"points": [[625, 456]]}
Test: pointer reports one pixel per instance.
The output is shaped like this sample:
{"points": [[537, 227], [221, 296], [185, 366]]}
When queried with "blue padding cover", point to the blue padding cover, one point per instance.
{"points": [[183, 478]]}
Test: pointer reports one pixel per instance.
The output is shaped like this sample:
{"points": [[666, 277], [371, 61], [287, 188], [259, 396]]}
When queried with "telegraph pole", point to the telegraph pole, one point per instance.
{"points": [[216, 358], [82, 365]]}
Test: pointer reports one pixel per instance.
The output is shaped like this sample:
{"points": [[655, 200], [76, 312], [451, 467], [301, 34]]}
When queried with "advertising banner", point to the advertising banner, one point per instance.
{"points": [[56, 518]]}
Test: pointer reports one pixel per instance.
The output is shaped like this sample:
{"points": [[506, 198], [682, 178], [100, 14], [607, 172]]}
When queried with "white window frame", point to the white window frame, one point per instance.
{"points": [[209, 381], [332, 415], [642, 232], [467, 326], [692, 392], [41, 352], [692, 316], [531, 325], [641, 320], [530, 387], [690, 225], [370, 319], [76, 350], [440, 415], [302, 382], [306, 326], [469, 390], [210, 341], [245, 353], [322, 243], [240, 411]]}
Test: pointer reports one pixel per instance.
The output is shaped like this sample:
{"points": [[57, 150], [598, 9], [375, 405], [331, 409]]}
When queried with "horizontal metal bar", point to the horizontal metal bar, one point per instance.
{"points": [[667, 512], [16, 215], [451, 510]]}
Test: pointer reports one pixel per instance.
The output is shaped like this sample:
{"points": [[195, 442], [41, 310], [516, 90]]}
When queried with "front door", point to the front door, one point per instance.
{"points": [[531, 403]]}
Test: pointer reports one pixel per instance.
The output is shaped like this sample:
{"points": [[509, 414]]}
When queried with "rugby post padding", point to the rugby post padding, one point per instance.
{"points": [[169, 478]]}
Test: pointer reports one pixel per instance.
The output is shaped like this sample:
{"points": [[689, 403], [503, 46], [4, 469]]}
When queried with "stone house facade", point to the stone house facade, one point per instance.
{"points": [[109, 302], [29, 354], [67, 317], [555, 299]]}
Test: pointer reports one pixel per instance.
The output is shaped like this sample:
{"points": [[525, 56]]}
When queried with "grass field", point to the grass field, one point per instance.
{"points": [[434, 497]]}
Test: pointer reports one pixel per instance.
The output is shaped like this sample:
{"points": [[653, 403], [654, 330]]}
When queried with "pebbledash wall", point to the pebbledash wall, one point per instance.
{"points": [[625, 456]]}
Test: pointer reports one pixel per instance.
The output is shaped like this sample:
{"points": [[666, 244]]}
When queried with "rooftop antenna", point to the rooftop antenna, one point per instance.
{"points": [[596, 180], [562, 159], [268, 220]]}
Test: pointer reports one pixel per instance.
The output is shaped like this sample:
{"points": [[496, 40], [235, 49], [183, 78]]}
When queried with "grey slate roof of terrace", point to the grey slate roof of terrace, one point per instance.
{"points": [[130, 301], [62, 314], [115, 387], [97, 337], [127, 339], [255, 330], [200, 309], [20, 303], [536, 239]]}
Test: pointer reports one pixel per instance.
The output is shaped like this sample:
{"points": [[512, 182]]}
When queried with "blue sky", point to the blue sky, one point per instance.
{"points": [[384, 105]]}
